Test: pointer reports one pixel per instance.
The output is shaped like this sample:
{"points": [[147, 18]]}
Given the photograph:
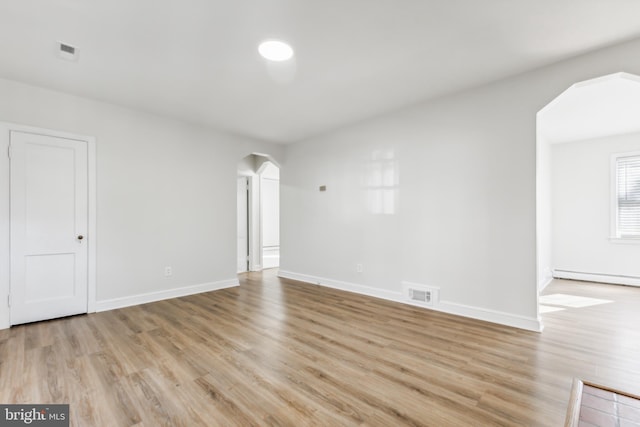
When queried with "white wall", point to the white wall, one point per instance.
{"points": [[462, 192], [270, 209], [166, 193], [247, 166], [270, 198], [543, 210], [464, 209], [581, 203]]}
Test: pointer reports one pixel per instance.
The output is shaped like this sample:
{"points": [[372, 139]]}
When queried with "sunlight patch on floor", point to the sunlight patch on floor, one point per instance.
{"points": [[549, 309], [574, 301]]}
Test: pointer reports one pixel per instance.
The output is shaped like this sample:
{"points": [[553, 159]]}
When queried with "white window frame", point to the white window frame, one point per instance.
{"points": [[614, 235]]}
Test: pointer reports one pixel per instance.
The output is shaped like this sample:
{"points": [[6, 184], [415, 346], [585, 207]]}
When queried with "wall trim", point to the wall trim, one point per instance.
{"points": [[544, 283], [615, 279], [547, 277], [114, 303], [493, 316], [342, 286]]}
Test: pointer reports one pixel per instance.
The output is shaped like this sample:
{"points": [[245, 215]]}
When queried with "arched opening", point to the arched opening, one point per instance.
{"points": [[258, 211], [581, 137]]}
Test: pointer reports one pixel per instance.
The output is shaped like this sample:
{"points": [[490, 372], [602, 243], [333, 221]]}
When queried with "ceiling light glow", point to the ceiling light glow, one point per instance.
{"points": [[275, 50]]}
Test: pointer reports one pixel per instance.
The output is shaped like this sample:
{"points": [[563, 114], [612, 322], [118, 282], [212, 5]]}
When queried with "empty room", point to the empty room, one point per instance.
{"points": [[337, 213]]}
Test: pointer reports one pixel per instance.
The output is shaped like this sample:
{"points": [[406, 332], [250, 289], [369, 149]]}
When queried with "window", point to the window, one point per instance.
{"points": [[382, 182], [627, 196]]}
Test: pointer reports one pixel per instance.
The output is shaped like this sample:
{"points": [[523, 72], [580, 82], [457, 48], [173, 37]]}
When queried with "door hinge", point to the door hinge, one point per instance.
{"points": [[9, 300], [9, 151]]}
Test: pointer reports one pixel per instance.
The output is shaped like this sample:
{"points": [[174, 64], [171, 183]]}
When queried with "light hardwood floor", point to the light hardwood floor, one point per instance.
{"points": [[278, 352]]}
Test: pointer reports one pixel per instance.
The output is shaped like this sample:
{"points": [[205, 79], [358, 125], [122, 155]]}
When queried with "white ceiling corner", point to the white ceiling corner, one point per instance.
{"points": [[197, 60]]}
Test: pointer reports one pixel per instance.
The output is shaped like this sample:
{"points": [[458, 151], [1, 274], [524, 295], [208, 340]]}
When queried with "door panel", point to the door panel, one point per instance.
{"points": [[49, 277], [49, 218]]}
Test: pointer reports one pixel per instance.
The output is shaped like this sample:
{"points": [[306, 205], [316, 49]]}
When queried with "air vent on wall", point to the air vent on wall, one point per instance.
{"points": [[67, 51], [420, 294]]}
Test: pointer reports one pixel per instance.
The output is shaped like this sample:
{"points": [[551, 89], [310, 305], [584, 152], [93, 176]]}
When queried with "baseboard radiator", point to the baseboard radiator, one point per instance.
{"points": [[616, 279]]}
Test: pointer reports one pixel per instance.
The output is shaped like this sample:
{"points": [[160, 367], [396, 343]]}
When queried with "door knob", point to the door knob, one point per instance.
{"points": [[80, 237]]}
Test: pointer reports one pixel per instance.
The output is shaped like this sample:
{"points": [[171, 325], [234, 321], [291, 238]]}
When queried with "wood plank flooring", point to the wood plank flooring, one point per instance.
{"points": [[275, 352]]}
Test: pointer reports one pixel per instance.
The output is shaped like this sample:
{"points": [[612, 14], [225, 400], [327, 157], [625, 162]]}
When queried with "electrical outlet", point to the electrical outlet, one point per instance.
{"points": [[358, 268], [168, 271]]}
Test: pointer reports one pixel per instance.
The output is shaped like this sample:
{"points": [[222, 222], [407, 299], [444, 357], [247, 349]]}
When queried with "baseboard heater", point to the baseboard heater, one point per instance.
{"points": [[616, 279]]}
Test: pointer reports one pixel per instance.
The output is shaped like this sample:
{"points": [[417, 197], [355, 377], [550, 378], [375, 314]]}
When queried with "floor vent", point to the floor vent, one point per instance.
{"points": [[420, 294]]}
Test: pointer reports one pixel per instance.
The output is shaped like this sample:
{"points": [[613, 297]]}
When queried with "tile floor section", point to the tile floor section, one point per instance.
{"points": [[603, 408]]}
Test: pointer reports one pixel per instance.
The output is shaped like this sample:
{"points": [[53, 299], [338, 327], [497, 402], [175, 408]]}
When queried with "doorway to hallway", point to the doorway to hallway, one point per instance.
{"points": [[258, 213]]}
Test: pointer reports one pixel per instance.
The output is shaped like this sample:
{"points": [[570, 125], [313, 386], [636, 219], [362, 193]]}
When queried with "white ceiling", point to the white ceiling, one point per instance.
{"points": [[608, 105], [197, 60]]}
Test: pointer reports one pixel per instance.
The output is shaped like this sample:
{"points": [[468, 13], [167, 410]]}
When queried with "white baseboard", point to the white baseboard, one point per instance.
{"points": [[343, 286], [111, 304], [544, 283], [547, 277], [493, 316], [597, 277]]}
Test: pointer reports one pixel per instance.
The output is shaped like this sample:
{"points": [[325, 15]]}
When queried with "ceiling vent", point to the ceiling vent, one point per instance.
{"points": [[67, 51]]}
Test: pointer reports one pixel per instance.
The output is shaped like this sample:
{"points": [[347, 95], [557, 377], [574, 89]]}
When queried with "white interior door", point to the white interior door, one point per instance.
{"points": [[49, 219], [243, 224]]}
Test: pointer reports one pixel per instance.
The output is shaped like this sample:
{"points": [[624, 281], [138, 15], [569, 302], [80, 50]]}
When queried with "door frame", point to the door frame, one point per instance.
{"points": [[252, 210], [5, 264], [247, 220], [255, 206]]}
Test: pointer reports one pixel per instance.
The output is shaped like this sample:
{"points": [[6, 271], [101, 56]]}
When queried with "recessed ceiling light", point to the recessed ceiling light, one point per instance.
{"points": [[275, 50]]}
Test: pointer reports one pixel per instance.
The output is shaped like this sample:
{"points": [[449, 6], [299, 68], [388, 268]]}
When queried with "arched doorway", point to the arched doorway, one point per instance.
{"points": [[258, 210], [580, 134]]}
